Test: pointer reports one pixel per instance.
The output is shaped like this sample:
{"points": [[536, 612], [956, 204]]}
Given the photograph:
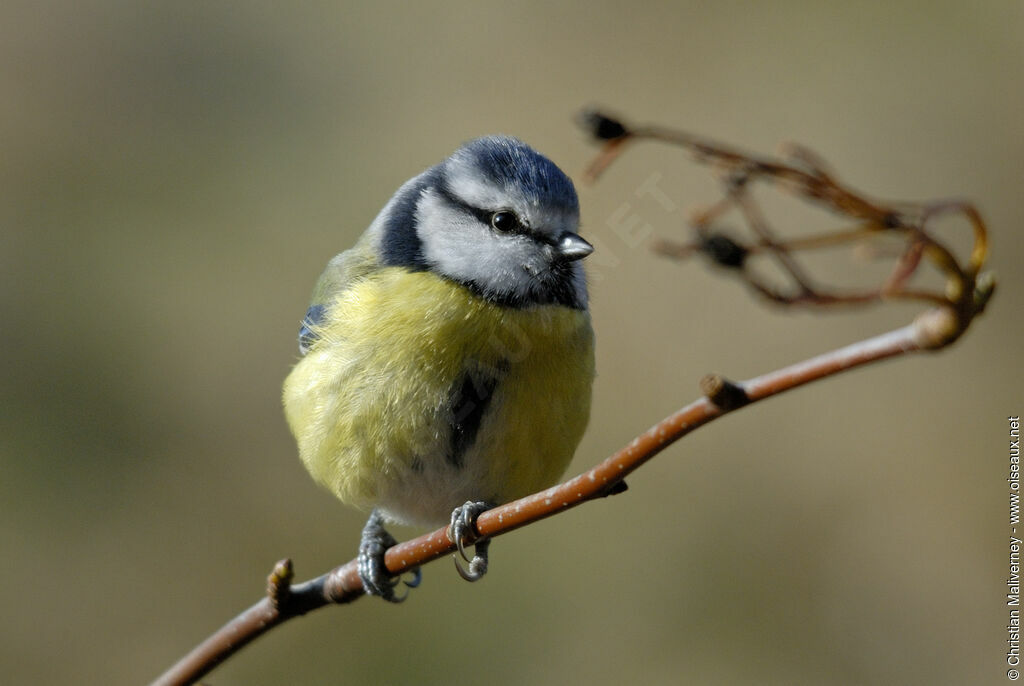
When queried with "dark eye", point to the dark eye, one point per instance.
{"points": [[504, 221]]}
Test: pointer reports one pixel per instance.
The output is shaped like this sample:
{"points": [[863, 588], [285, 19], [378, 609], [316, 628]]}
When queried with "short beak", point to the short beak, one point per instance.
{"points": [[571, 248]]}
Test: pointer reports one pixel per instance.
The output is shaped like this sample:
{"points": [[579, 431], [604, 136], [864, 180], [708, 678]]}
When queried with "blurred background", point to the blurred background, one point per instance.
{"points": [[176, 175]]}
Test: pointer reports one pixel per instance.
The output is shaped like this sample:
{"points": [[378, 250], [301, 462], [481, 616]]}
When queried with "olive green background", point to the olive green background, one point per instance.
{"points": [[173, 178]]}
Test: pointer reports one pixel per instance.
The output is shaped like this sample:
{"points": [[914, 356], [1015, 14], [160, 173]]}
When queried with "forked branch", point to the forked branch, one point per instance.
{"points": [[803, 174], [951, 312]]}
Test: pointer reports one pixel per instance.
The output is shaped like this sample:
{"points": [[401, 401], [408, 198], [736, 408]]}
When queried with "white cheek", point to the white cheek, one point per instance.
{"points": [[459, 246]]}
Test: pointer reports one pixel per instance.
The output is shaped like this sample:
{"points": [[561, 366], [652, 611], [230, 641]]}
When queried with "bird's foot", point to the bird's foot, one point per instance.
{"points": [[462, 531], [373, 572]]}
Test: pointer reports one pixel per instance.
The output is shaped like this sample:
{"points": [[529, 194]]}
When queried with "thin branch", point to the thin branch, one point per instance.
{"points": [[966, 293], [342, 584]]}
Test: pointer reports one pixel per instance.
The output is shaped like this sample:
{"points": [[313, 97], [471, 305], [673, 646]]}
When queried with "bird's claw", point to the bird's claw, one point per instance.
{"points": [[374, 574], [462, 531]]}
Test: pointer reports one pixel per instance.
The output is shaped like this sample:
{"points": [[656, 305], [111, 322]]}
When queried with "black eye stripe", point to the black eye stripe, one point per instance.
{"points": [[485, 216]]}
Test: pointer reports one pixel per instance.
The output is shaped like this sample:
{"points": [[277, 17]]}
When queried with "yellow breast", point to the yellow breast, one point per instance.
{"points": [[372, 409]]}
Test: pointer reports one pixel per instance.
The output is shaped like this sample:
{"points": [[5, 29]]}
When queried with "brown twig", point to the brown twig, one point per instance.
{"points": [[937, 327], [342, 584], [966, 292]]}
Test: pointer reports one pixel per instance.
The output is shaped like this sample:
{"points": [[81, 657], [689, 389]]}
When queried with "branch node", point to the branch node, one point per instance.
{"points": [[892, 220], [722, 393], [983, 290], [724, 251], [279, 583], [615, 489], [937, 328], [342, 584], [602, 126]]}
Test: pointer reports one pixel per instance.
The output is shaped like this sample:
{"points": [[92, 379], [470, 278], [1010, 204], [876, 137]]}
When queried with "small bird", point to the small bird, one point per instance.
{"points": [[448, 357]]}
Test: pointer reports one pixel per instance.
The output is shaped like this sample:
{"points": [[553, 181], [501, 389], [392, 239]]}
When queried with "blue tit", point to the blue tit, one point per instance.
{"points": [[448, 357]]}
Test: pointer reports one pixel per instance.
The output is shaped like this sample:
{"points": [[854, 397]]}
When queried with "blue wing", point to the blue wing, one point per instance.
{"points": [[341, 272]]}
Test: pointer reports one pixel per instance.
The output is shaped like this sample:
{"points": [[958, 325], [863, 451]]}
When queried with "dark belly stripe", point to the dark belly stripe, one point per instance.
{"points": [[470, 399]]}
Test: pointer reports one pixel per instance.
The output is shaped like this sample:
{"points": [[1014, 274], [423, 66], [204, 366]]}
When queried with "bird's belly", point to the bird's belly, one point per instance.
{"points": [[376, 403]]}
